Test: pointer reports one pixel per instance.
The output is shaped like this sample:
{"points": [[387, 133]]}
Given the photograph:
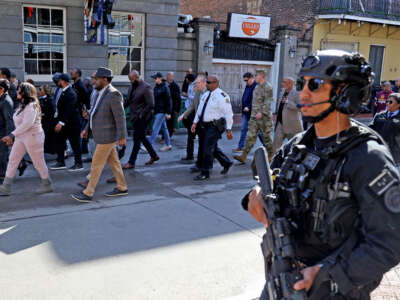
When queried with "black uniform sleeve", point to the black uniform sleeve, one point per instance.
{"points": [[375, 184]]}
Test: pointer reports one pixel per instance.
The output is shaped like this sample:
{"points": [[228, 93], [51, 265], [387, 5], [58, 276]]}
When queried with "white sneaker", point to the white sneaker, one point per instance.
{"points": [[166, 148], [142, 150]]}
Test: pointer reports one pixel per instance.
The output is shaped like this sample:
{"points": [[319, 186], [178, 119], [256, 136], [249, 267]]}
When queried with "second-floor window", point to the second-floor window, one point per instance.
{"points": [[126, 43], [44, 40]]}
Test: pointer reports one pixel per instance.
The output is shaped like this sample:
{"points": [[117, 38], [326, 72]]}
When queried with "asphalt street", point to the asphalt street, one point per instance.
{"points": [[171, 238]]}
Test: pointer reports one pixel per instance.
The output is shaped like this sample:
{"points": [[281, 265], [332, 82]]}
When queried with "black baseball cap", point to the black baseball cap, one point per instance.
{"points": [[157, 75]]}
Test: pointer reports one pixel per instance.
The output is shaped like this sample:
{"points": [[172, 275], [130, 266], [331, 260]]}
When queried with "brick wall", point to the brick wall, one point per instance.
{"points": [[217, 9], [295, 13]]}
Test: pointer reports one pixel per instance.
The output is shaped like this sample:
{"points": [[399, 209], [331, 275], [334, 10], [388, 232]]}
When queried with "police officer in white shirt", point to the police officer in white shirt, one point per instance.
{"points": [[213, 116]]}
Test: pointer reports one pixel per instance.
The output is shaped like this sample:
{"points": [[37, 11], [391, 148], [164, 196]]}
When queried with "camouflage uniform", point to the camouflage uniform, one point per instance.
{"points": [[262, 97]]}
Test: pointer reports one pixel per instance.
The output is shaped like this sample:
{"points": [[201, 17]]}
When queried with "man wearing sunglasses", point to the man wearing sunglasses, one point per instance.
{"points": [[337, 184], [214, 115], [387, 124]]}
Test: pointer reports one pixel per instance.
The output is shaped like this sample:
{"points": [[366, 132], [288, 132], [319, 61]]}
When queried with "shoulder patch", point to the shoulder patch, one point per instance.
{"points": [[382, 182], [392, 199]]}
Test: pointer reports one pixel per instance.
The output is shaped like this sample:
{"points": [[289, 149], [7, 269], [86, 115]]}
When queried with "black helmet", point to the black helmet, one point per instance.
{"points": [[341, 67]]}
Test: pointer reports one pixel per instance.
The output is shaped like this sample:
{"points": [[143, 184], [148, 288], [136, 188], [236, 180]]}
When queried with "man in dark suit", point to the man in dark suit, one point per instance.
{"points": [[108, 125], [140, 101], [176, 102], [68, 125], [387, 124], [83, 101]]}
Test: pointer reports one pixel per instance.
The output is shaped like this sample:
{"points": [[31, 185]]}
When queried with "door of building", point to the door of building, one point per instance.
{"points": [[230, 74], [376, 54]]}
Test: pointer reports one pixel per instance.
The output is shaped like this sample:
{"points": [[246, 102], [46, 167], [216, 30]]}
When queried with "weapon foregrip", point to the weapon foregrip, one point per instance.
{"points": [[263, 170]]}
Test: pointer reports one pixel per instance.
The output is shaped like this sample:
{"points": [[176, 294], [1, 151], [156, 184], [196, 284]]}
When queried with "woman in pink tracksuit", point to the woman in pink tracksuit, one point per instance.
{"points": [[28, 137]]}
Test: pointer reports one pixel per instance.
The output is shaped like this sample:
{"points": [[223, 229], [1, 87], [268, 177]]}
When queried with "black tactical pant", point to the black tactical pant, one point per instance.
{"points": [[208, 149]]}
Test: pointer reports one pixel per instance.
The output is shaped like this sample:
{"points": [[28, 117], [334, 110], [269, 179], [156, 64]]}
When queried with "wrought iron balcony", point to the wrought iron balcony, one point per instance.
{"points": [[378, 9]]}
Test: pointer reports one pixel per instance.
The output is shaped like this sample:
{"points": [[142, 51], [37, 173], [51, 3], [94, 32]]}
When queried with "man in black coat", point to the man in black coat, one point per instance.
{"points": [[68, 125], [83, 101], [176, 102], [6, 123], [140, 100], [387, 124]]}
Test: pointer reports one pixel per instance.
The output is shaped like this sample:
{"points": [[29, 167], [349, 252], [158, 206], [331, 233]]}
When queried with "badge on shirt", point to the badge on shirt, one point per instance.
{"points": [[382, 182], [392, 199], [227, 100]]}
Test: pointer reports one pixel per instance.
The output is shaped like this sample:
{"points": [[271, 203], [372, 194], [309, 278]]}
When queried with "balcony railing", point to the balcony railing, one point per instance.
{"points": [[381, 9]]}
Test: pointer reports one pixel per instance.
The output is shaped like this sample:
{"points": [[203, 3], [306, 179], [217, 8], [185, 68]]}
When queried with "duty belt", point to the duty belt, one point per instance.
{"points": [[207, 124]]}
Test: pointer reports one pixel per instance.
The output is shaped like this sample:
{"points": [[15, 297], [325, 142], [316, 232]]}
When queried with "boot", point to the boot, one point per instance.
{"points": [[46, 187], [242, 158], [5, 188]]}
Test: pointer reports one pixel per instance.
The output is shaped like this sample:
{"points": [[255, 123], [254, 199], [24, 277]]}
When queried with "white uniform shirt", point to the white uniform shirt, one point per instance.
{"points": [[218, 106]]}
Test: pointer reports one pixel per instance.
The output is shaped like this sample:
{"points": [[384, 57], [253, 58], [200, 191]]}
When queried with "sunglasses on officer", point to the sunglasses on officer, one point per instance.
{"points": [[313, 84], [211, 82], [389, 102]]}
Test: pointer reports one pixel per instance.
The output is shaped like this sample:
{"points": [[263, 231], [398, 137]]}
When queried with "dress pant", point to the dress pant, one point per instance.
{"points": [[171, 124], [84, 142], [33, 144], [279, 136], [72, 134], [105, 153], [187, 122], [3, 158], [139, 137], [208, 149]]}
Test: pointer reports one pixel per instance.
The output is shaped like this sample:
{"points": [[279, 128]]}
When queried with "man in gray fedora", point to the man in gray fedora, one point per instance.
{"points": [[108, 126]]}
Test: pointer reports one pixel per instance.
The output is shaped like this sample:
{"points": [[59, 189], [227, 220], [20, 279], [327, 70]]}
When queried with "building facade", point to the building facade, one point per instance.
{"points": [[369, 27], [41, 37]]}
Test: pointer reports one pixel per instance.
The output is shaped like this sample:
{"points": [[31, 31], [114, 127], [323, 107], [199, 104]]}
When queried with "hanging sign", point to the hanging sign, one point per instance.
{"points": [[249, 26]]}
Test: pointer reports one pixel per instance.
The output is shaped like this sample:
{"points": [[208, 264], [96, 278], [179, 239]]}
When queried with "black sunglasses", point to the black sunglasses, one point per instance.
{"points": [[314, 84], [389, 102], [209, 82]]}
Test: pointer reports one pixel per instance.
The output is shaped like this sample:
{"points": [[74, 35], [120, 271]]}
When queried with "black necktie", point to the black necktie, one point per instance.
{"points": [[204, 108]]}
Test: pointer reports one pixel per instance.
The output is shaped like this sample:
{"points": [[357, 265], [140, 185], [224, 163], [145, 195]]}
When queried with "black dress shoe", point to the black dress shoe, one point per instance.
{"points": [[201, 177], [58, 166], [87, 160], [116, 192], [226, 168], [76, 167], [81, 197], [194, 169]]}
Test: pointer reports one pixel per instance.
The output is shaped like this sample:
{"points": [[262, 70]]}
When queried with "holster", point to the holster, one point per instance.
{"points": [[220, 124]]}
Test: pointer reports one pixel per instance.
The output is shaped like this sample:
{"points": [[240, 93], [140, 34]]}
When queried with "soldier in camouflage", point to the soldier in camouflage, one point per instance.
{"points": [[260, 119]]}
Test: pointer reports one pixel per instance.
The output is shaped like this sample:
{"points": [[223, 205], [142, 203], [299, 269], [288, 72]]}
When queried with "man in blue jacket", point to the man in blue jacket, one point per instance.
{"points": [[247, 100]]}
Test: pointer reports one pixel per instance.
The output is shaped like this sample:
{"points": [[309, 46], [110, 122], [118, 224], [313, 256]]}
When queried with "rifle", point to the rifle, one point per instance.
{"points": [[282, 270]]}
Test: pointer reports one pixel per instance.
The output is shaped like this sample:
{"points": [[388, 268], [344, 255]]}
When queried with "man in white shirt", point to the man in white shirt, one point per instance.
{"points": [[213, 116]]}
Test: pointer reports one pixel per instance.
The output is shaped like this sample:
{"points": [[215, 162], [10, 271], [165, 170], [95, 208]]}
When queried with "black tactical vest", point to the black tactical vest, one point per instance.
{"points": [[316, 196]]}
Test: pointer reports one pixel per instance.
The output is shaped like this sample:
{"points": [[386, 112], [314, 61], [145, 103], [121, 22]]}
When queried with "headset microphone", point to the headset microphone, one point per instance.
{"points": [[312, 104]]}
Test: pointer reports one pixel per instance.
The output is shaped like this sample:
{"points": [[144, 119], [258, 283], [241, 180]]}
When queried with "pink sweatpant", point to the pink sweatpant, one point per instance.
{"points": [[33, 143]]}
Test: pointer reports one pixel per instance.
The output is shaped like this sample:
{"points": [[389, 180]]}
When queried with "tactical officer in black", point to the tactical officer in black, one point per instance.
{"points": [[337, 184], [387, 124]]}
